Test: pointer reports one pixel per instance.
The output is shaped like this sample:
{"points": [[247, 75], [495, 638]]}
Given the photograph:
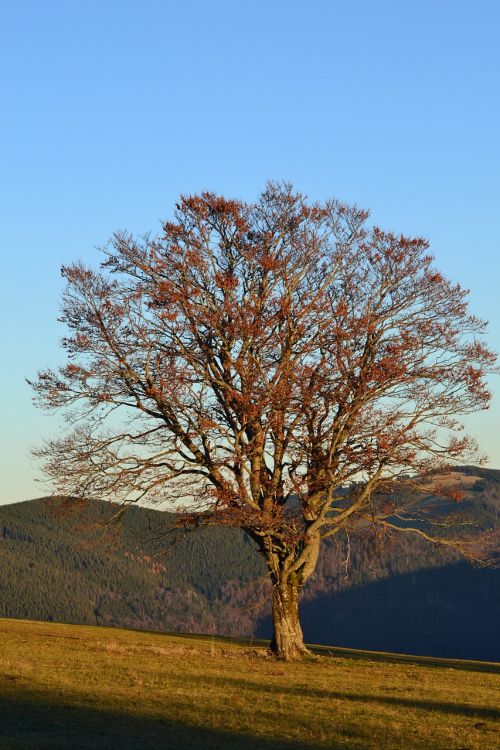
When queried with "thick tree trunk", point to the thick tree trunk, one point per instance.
{"points": [[288, 640]]}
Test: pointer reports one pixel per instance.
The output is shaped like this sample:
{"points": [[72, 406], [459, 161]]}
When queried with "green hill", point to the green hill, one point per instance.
{"points": [[402, 595]]}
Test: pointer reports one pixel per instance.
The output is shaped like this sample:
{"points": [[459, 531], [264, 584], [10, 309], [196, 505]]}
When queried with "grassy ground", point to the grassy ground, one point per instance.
{"points": [[66, 687]]}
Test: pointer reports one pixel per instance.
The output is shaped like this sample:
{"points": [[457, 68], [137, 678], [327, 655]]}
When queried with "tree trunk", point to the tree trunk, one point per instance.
{"points": [[288, 641]]}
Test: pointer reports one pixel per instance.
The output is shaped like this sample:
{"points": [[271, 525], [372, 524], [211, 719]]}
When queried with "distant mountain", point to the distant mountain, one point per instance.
{"points": [[399, 595]]}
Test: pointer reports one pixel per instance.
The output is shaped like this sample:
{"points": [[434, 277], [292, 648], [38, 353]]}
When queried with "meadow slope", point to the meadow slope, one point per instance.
{"points": [[67, 687]]}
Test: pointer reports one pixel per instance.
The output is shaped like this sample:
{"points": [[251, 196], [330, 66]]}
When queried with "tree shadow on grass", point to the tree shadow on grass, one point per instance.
{"points": [[460, 709], [40, 722]]}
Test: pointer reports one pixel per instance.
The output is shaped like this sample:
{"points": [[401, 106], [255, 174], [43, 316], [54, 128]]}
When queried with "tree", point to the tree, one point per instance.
{"points": [[281, 367]]}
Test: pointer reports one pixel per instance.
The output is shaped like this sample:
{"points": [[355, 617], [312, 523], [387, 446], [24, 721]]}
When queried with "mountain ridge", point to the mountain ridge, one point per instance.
{"points": [[400, 596]]}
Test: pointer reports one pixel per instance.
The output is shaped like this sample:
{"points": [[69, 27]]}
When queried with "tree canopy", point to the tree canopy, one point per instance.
{"points": [[281, 366]]}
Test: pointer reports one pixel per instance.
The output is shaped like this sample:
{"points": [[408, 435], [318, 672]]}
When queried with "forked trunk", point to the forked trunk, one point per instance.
{"points": [[288, 640]]}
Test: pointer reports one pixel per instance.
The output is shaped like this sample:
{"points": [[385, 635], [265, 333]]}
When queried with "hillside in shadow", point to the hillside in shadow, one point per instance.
{"points": [[451, 611]]}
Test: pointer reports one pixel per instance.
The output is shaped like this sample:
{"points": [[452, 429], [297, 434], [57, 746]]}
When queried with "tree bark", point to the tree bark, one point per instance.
{"points": [[287, 641]]}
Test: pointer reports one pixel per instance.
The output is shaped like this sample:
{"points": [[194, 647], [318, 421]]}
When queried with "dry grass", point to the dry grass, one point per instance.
{"points": [[451, 479], [66, 687]]}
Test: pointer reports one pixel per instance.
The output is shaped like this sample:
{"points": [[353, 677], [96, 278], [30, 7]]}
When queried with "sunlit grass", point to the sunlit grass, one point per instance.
{"points": [[66, 686]]}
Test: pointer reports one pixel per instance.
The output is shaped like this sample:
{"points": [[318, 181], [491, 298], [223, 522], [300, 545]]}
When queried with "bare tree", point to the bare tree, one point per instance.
{"points": [[280, 366]]}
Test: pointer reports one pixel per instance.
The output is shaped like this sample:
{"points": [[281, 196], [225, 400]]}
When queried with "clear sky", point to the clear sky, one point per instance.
{"points": [[111, 109]]}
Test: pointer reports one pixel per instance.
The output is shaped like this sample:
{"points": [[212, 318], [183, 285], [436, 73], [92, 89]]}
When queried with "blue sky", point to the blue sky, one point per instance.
{"points": [[111, 109]]}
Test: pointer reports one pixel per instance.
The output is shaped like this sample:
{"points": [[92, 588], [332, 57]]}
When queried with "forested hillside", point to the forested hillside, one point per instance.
{"points": [[397, 594]]}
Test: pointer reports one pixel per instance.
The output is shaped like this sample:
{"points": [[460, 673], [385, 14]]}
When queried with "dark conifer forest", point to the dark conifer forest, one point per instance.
{"points": [[396, 594]]}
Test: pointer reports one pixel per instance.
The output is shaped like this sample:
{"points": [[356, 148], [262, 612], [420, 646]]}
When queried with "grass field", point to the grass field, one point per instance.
{"points": [[65, 687]]}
